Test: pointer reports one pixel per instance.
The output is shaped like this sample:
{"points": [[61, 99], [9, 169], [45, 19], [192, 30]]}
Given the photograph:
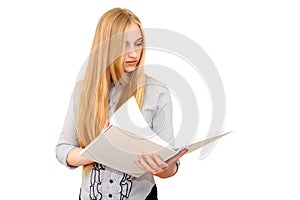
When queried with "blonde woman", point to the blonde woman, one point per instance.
{"points": [[113, 74]]}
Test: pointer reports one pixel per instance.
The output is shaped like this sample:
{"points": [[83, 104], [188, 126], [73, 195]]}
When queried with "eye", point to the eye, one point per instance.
{"points": [[139, 44]]}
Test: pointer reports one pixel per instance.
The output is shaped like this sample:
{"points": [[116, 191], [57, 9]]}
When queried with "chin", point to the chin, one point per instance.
{"points": [[129, 69]]}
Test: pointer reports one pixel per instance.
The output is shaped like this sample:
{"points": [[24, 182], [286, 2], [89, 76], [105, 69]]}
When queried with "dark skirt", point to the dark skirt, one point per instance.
{"points": [[153, 194]]}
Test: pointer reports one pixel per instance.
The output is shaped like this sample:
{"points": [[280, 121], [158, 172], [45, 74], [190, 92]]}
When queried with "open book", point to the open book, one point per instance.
{"points": [[117, 147]]}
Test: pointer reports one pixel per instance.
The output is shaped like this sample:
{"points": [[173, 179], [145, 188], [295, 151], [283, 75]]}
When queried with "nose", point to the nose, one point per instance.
{"points": [[132, 54]]}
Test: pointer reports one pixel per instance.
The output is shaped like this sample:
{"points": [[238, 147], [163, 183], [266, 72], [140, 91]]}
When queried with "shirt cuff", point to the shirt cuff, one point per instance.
{"points": [[177, 164], [62, 152]]}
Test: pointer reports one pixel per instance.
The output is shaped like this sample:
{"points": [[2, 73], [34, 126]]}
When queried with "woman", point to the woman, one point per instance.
{"points": [[113, 74]]}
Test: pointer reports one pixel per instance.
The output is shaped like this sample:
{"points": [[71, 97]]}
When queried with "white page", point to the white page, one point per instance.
{"points": [[196, 145], [129, 118]]}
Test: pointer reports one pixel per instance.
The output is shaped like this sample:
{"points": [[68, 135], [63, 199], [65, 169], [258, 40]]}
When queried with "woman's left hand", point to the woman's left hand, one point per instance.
{"points": [[158, 167]]}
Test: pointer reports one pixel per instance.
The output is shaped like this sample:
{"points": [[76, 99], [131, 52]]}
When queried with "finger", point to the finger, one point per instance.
{"points": [[177, 156], [150, 161], [161, 163], [145, 166], [107, 122], [140, 165]]}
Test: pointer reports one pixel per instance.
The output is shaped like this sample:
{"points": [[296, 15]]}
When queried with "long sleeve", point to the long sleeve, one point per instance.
{"points": [[68, 137], [162, 120], [162, 123]]}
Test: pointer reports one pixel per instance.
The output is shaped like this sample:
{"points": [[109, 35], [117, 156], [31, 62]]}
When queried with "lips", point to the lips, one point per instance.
{"points": [[131, 62]]}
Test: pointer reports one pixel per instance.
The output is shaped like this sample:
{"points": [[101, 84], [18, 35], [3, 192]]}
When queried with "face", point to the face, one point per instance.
{"points": [[133, 45]]}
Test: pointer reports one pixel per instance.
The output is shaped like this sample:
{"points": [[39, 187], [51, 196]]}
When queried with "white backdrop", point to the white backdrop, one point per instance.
{"points": [[254, 45]]}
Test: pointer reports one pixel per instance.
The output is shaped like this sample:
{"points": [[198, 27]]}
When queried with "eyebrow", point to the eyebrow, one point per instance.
{"points": [[137, 40], [141, 38]]}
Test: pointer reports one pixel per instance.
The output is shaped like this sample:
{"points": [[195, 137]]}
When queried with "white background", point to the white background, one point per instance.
{"points": [[254, 45]]}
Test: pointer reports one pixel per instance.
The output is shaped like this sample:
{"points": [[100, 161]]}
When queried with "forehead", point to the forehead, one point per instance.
{"points": [[133, 32]]}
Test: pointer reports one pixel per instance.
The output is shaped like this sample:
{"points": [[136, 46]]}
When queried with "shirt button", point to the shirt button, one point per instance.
{"points": [[111, 181], [110, 195]]}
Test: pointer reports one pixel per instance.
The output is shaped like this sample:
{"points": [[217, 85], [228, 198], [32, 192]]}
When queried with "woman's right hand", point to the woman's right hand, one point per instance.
{"points": [[107, 123], [75, 159]]}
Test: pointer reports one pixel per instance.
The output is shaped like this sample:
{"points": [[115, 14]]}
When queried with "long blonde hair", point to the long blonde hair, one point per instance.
{"points": [[105, 64]]}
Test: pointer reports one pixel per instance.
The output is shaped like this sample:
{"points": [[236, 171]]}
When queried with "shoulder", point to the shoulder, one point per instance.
{"points": [[155, 85], [156, 92]]}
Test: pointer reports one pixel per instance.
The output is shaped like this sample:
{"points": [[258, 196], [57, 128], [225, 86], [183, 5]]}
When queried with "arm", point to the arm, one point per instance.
{"points": [[74, 158], [67, 148]]}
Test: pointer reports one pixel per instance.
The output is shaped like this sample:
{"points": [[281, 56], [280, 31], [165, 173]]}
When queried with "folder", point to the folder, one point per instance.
{"points": [[118, 147]]}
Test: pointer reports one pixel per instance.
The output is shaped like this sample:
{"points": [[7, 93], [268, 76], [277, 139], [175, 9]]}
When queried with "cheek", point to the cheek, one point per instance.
{"points": [[139, 53]]}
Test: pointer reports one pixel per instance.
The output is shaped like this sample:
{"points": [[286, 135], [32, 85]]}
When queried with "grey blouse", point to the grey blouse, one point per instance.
{"points": [[103, 182]]}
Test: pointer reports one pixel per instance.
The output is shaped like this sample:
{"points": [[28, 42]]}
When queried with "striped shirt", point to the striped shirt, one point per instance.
{"points": [[103, 182]]}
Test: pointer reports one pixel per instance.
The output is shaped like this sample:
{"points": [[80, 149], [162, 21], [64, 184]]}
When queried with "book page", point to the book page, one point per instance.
{"points": [[129, 118]]}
